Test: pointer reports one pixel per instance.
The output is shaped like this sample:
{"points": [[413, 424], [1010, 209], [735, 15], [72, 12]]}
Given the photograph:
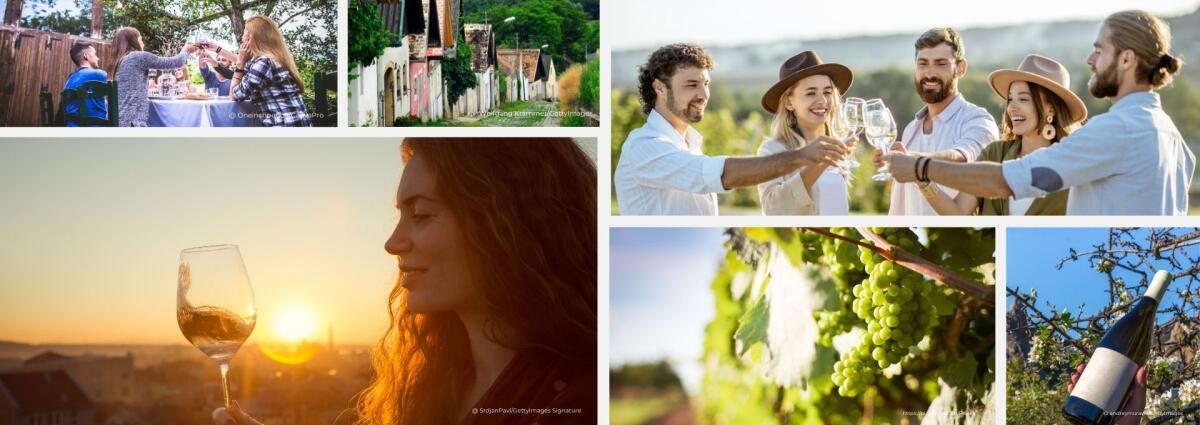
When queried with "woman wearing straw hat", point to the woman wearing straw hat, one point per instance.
{"points": [[1039, 111], [805, 101]]}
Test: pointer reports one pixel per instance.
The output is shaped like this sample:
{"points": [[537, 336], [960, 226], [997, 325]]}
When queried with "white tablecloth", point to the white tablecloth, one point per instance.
{"points": [[202, 113]]}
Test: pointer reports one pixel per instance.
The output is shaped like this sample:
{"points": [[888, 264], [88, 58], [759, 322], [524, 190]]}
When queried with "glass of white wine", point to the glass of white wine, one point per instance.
{"points": [[215, 304], [849, 122], [881, 131]]}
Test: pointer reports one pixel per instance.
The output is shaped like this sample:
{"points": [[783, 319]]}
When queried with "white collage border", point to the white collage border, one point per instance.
{"points": [[605, 220]]}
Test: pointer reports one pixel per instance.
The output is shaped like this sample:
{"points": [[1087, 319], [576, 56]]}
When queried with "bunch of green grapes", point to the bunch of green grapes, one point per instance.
{"points": [[892, 301], [841, 258]]}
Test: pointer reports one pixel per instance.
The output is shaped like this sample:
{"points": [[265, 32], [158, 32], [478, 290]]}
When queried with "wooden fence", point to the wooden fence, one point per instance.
{"points": [[32, 59]]}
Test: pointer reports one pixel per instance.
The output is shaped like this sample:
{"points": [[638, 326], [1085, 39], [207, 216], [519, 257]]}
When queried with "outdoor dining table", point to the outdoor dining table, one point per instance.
{"points": [[202, 113]]}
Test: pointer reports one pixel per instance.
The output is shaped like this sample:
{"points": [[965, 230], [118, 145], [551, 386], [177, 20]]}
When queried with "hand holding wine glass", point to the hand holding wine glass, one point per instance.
{"points": [[215, 304], [847, 124], [850, 123], [880, 129]]}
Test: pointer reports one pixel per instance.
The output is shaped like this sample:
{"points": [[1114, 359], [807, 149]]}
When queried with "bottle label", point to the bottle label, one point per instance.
{"points": [[1105, 380]]}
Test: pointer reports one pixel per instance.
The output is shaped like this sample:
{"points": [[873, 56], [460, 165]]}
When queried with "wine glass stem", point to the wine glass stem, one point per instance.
{"points": [[225, 381]]}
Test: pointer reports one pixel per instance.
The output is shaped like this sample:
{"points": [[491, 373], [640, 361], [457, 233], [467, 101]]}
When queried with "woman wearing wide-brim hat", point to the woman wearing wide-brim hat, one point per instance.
{"points": [[805, 102], [1039, 110]]}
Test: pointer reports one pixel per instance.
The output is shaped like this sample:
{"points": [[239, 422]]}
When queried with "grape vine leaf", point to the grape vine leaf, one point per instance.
{"points": [[942, 302], [791, 328], [752, 327], [960, 373], [821, 381]]}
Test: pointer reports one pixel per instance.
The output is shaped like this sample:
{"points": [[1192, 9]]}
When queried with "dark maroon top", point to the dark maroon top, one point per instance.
{"points": [[539, 388]]}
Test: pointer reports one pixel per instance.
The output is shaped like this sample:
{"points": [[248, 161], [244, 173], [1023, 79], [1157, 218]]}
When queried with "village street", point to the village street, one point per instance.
{"points": [[533, 113]]}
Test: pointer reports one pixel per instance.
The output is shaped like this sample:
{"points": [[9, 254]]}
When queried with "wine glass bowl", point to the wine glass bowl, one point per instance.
{"points": [[215, 303], [847, 124], [880, 128]]}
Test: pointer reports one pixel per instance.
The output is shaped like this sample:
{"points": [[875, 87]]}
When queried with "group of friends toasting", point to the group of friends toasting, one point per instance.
{"points": [[1045, 156]]}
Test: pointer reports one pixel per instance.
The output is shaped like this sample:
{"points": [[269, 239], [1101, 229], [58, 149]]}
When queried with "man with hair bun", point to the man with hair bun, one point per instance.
{"points": [[1128, 161], [662, 170]]}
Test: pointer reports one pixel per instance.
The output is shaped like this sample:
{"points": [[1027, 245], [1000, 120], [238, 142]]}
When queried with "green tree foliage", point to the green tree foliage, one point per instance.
{"points": [[458, 72], [657, 375], [562, 25], [161, 30], [589, 86], [591, 39], [367, 35], [38, 14], [592, 7]]}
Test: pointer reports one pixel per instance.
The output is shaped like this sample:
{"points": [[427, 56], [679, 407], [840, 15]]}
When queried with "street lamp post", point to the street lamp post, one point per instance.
{"points": [[520, 63]]}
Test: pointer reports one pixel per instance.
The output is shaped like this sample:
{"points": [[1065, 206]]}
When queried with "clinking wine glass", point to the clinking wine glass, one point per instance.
{"points": [[849, 123], [881, 131], [215, 303]]}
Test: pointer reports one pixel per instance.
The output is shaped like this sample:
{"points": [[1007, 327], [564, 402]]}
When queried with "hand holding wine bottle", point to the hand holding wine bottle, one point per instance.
{"points": [[1132, 408], [1100, 394]]}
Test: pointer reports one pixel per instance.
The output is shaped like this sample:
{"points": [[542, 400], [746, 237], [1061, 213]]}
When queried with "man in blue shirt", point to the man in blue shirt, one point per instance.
{"points": [[84, 56], [218, 79]]}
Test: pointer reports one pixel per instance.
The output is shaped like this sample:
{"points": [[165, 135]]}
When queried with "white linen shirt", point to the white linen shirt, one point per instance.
{"points": [[785, 195], [662, 172], [1130, 160], [962, 126]]}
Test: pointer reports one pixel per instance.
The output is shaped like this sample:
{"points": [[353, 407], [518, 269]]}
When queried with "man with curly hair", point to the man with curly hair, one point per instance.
{"points": [[662, 170]]}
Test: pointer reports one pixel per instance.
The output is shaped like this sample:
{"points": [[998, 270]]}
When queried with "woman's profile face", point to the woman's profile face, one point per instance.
{"points": [[430, 246]]}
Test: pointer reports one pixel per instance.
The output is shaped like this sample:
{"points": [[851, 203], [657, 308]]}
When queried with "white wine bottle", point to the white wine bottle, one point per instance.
{"points": [[1104, 385]]}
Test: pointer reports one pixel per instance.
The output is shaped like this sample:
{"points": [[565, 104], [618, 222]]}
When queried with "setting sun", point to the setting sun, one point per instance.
{"points": [[295, 323]]}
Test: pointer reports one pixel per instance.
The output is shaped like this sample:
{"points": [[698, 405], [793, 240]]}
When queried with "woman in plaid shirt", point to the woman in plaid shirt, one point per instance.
{"points": [[267, 75]]}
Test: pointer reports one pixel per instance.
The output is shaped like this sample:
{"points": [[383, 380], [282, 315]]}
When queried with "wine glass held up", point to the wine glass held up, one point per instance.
{"points": [[850, 123], [881, 131], [215, 303]]}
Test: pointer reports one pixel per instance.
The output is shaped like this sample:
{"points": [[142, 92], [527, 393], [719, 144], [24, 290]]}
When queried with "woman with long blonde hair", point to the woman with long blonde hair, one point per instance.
{"points": [[131, 71], [266, 74], [495, 303], [806, 103]]}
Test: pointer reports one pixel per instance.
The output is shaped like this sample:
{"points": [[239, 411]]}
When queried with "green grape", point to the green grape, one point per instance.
{"points": [[890, 300], [841, 259]]}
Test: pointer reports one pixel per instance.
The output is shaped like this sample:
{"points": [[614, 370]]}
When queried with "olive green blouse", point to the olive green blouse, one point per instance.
{"points": [[1000, 151]]}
